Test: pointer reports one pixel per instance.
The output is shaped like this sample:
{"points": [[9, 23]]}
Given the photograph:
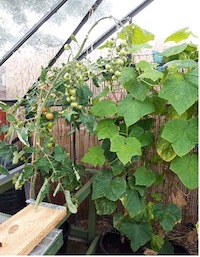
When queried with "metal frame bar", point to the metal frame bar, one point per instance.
{"points": [[68, 41], [113, 29], [32, 30]]}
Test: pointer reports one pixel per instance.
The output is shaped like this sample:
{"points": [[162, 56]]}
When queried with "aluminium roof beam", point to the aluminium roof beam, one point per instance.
{"points": [[32, 30], [113, 29], [68, 41]]}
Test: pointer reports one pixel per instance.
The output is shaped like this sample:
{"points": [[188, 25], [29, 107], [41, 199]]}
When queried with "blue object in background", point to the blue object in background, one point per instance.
{"points": [[157, 57]]}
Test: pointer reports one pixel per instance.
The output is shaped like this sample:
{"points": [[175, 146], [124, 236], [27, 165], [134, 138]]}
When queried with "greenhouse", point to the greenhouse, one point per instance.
{"points": [[98, 127]]}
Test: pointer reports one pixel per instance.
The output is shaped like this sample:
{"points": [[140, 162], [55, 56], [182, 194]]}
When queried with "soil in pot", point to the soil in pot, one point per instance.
{"points": [[114, 243]]}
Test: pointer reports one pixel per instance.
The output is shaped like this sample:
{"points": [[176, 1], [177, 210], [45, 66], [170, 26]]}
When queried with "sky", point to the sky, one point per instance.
{"points": [[163, 17]]}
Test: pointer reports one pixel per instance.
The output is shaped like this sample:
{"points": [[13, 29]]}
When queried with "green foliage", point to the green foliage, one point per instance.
{"points": [[179, 35], [181, 90], [137, 89], [105, 185], [3, 171], [133, 110], [125, 117], [186, 169], [105, 206], [168, 216], [132, 202], [184, 137], [106, 128], [142, 231], [95, 156], [144, 177], [104, 108], [125, 148]]}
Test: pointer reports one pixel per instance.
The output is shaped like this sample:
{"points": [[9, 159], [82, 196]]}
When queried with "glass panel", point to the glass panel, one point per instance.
{"points": [[117, 9], [17, 18], [23, 68]]}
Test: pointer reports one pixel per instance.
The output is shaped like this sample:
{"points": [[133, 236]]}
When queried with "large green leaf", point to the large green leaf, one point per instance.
{"points": [[184, 137], [133, 110], [125, 148], [174, 50], [137, 89], [104, 108], [181, 64], [105, 185], [95, 156], [186, 168], [144, 177], [148, 71], [105, 206], [145, 137], [154, 75], [136, 35], [138, 233], [133, 202], [165, 150], [168, 216], [179, 35], [181, 90], [106, 128]]}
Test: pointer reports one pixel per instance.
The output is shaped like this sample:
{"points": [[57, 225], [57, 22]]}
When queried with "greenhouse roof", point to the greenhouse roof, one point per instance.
{"points": [[34, 33], [51, 23]]}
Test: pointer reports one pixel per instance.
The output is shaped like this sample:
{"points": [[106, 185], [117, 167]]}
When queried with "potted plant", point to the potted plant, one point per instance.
{"points": [[130, 150]]}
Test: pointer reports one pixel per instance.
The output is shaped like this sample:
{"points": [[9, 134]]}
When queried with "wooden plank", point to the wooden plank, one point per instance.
{"points": [[25, 230]]}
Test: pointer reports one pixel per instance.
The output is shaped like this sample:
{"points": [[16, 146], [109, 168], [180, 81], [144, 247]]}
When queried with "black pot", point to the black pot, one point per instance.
{"points": [[113, 243], [66, 227], [12, 201]]}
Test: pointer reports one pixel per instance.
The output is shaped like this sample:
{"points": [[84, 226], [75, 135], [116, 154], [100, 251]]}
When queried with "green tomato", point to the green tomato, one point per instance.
{"points": [[49, 145], [51, 139], [74, 104], [79, 106], [50, 125], [108, 67], [114, 77], [72, 91], [124, 43], [68, 99], [123, 52], [120, 62], [72, 98], [117, 73]]}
